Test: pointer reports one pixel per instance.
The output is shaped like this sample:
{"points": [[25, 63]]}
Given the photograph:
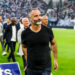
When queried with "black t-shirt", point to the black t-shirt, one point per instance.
{"points": [[38, 51]]}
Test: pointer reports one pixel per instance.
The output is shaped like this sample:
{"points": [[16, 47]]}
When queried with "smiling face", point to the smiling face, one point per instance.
{"points": [[35, 17]]}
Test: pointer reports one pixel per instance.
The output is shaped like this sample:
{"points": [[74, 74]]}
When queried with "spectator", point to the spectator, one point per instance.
{"points": [[1, 36], [25, 22], [11, 30], [45, 20], [7, 39]]}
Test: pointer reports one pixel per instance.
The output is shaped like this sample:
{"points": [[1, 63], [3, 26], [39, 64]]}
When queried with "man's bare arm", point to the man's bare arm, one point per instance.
{"points": [[24, 48], [54, 49]]}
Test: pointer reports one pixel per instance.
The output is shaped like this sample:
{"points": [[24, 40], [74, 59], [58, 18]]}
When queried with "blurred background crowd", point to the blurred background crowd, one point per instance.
{"points": [[59, 12]]}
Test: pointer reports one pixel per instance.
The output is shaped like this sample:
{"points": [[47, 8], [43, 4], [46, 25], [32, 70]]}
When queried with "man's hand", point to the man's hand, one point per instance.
{"points": [[25, 68], [55, 65], [3, 41]]}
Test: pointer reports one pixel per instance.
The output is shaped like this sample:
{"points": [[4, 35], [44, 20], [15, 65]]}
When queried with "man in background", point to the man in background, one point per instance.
{"points": [[25, 23], [5, 27], [1, 36], [12, 30], [45, 20]]}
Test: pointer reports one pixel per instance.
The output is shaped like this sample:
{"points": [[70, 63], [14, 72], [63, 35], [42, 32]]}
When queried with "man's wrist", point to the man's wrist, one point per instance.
{"points": [[55, 59]]}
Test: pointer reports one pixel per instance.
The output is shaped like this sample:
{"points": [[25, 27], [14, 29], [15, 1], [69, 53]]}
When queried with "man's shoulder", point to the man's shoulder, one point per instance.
{"points": [[9, 26], [5, 24], [20, 30], [45, 27], [25, 31]]}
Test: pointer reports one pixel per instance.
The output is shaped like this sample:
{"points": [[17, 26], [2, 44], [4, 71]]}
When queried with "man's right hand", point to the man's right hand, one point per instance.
{"points": [[25, 68], [55, 65], [3, 41]]}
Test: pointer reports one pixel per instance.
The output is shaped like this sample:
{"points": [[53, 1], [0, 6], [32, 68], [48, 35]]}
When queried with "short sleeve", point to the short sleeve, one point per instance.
{"points": [[23, 37], [51, 35]]}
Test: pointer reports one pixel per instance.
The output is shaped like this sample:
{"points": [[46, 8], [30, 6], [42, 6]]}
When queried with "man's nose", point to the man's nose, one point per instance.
{"points": [[39, 18]]}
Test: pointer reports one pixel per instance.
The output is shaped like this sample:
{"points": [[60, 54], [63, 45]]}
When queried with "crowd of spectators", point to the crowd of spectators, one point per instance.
{"points": [[64, 16], [20, 8]]}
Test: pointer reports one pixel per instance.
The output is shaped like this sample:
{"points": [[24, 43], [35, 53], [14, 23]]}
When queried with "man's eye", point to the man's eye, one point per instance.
{"points": [[35, 15], [40, 15]]}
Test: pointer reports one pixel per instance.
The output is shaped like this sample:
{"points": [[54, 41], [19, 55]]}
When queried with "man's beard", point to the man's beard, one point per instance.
{"points": [[37, 22]]}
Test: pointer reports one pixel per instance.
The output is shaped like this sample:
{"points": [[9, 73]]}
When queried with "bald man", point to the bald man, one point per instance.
{"points": [[35, 45], [25, 22], [45, 20]]}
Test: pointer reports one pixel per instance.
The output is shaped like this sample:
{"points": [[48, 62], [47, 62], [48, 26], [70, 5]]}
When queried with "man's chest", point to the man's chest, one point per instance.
{"points": [[38, 38]]}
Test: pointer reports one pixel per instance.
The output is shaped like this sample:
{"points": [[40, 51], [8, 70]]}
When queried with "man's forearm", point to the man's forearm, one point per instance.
{"points": [[54, 49], [25, 52]]}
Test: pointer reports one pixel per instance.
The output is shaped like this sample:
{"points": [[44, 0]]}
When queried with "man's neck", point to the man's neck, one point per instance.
{"points": [[35, 28], [13, 25], [25, 27], [44, 24], [8, 22]]}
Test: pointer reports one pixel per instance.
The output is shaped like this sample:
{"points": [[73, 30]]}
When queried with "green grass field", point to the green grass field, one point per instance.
{"points": [[65, 39]]}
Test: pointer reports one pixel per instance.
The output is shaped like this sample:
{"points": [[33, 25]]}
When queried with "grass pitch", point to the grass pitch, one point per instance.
{"points": [[65, 39]]}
